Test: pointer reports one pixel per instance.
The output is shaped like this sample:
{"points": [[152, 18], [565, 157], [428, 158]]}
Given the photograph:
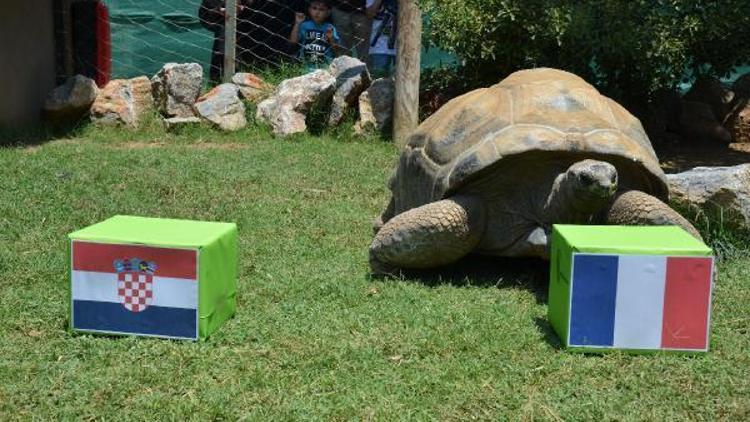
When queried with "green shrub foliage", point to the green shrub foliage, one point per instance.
{"points": [[629, 49]]}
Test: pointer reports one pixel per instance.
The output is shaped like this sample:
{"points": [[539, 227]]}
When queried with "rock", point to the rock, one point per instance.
{"points": [[376, 106], [176, 87], [672, 139], [286, 110], [352, 78], [71, 101], [741, 86], [711, 91], [721, 191], [665, 108], [122, 102], [739, 123], [142, 96], [222, 106], [176, 123], [699, 123], [252, 87]]}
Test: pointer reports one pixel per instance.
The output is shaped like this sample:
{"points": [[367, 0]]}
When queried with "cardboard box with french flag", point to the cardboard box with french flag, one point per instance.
{"points": [[153, 277], [630, 288]]}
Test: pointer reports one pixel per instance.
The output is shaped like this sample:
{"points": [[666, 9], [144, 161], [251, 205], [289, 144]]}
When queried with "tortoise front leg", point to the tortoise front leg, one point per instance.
{"points": [[634, 208], [429, 236], [384, 217]]}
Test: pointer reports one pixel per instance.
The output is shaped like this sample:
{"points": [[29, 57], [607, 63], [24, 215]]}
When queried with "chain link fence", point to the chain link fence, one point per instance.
{"points": [[143, 35]]}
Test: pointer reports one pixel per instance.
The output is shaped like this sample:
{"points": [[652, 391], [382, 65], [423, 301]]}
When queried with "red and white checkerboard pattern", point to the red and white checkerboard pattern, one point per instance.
{"points": [[135, 290]]}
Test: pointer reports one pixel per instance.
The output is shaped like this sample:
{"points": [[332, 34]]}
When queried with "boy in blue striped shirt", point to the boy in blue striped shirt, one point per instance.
{"points": [[318, 39]]}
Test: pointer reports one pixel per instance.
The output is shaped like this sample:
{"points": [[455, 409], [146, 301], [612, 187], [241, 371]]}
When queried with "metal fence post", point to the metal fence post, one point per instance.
{"points": [[409, 45], [230, 40]]}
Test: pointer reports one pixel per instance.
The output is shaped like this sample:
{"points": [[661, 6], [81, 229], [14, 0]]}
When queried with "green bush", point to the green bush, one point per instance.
{"points": [[628, 49]]}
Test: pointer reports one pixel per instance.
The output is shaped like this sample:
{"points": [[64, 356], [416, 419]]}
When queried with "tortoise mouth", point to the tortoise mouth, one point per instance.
{"points": [[603, 192]]}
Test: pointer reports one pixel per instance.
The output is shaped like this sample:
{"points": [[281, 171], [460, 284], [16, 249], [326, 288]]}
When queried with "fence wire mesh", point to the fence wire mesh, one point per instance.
{"points": [[146, 34], [140, 36]]}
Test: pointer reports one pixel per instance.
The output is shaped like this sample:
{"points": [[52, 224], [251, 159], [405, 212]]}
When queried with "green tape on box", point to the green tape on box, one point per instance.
{"points": [[632, 254], [213, 264]]}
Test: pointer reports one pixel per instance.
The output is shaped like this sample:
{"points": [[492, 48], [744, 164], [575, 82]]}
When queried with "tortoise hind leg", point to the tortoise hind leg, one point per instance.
{"points": [[429, 236], [637, 208]]}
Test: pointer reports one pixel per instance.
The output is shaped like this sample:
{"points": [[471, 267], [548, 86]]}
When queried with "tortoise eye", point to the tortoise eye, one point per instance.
{"points": [[586, 178]]}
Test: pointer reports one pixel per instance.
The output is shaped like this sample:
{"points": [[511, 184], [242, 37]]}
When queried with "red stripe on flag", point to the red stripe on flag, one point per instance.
{"points": [[100, 257], [686, 303]]}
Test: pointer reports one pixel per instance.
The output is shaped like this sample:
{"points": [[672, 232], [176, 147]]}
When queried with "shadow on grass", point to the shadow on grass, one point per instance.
{"points": [[37, 134], [487, 271], [494, 272], [546, 330]]}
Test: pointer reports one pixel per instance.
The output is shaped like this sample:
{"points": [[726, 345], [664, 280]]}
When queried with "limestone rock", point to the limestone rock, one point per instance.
{"points": [[352, 78], [724, 190], [376, 106], [142, 96], [699, 123], [69, 102], [176, 87], [222, 107], [122, 102], [176, 123], [739, 123], [252, 87], [711, 91], [286, 110]]}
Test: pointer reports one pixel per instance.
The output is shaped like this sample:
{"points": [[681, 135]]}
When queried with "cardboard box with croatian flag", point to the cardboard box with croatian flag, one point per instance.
{"points": [[153, 277], [630, 288]]}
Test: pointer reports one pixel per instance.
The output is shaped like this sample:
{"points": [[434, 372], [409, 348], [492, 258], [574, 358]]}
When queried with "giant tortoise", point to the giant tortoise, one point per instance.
{"points": [[492, 170]]}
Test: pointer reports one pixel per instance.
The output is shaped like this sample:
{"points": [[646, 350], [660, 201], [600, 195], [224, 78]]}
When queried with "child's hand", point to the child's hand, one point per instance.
{"points": [[299, 18], [329, 34]]}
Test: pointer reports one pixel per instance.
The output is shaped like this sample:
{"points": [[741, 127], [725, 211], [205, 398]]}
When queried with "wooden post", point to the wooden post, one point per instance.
{"points": [[409, 46], [66, 39], [230, 40]]}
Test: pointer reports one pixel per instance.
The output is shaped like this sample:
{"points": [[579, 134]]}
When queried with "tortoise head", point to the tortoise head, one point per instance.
{"points": [[591, 184]]}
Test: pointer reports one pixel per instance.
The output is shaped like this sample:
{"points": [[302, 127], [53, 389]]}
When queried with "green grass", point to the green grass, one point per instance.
{"points": [[314, 337]]}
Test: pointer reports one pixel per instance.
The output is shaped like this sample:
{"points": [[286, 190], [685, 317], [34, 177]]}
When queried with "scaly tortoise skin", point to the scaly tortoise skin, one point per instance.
{"points": [[492, 170]]}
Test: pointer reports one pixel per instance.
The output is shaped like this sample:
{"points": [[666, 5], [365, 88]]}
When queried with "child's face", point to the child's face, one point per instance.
{"points": [[319, 12]]}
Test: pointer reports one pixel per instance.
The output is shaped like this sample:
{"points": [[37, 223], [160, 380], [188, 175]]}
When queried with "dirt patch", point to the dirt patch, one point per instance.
{"points": [[676, 159], [33, 149], [134, 145], [148, 145]]}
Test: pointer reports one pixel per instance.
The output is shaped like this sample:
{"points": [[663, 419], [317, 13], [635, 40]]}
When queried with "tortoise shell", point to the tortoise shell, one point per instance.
{"points": [[539, 111]]}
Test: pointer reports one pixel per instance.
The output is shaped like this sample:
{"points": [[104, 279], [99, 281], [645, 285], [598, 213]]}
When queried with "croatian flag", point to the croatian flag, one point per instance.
{"points": [[640, 302], [129, 289]]}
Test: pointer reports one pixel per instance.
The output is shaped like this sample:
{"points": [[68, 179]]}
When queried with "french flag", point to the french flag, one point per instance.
{"points": [[640, 302], [131, 289]]}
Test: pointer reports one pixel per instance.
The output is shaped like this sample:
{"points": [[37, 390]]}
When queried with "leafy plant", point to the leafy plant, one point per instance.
{"points": [[629, 49]]}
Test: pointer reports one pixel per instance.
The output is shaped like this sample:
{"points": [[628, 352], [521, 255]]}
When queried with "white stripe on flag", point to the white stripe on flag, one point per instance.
{"points": [[167, 292], [640, 301]]}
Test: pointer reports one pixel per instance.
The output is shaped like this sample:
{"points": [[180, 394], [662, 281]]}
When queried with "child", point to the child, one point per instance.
{"points": [[318, 38], [384, 14]]}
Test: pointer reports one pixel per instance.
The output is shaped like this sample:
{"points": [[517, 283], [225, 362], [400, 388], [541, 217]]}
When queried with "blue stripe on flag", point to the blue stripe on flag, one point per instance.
{"points": [[592, 307], [155, 320]]}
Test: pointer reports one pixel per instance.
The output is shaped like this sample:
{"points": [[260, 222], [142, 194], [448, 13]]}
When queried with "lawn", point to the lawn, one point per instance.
{"points": [[314, 336]]}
